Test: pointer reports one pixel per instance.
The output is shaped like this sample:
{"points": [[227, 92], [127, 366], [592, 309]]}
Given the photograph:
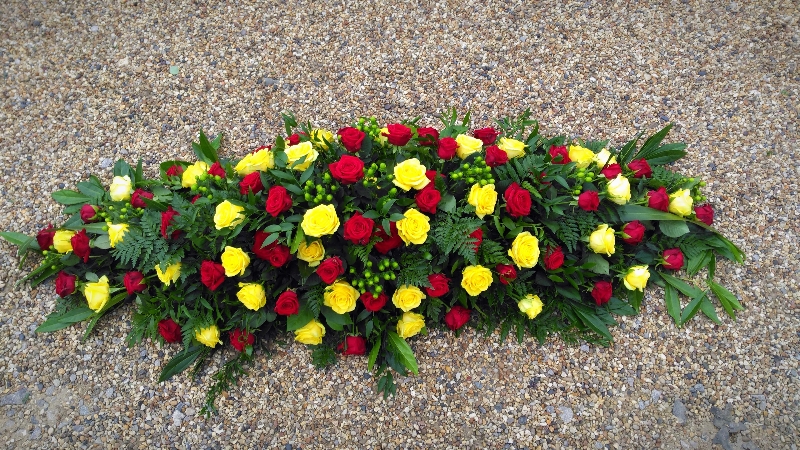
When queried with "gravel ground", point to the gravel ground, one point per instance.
{"points": [[84, 83]]}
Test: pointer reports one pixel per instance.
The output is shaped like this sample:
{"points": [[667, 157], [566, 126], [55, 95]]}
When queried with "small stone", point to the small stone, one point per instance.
{"points": [[679, 411], [84, 410], [522, 420], [105, 163], [723, 438], [655, 395], [565, 413], [15, 398]]}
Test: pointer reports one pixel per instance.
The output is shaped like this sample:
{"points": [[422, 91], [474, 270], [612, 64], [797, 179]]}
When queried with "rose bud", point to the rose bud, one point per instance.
{"points": [[134, 282], [658, 199], [447, 148], [457, 317], [611, 171], [398, 135], [373, 303], [640, 168], [506, 272], [216, 170], [240, 339], [353, 345], [45, 237], [169, 330], [440, 285], [89, 214], [554, 258], [65, 284], [559, 154], [136, 199], [673, 258], [251, 182], [601, 292], [351, 138], [704, 214], [633, 232], [487, 135], [589, 201], [427, 136]]}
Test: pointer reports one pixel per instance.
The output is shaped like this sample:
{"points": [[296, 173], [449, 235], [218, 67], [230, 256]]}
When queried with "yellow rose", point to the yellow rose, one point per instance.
{"points": [[311, 253], [602, 240], [680, 202], [476, 279], [525, 250], [190, 174], [116, 232], [208, 336], [228, 215], [467, 145], [320, 221], [602, 157], [170, 275], [636, 278], [320, 136], [512, 147], [531, 305], [382, 137], [619, 190], [414, 228], [341, 297], [120, 189], [62, 242], [234, 261], [483, 198], [410, 174], [295, 152], [97, 293], [252, 296], [255, 162], [410, 324], [407, 297], [310, 334], [581, 156]]}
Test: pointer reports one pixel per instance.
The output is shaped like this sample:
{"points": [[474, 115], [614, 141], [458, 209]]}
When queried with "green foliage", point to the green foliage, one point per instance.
{"points": [[323, 356], [451, 233], [143, 248], [225, 378], [414, 271], [492, 253], [571, 228]]}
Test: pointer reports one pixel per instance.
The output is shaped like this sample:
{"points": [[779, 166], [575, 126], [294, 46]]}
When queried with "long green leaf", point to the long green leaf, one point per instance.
{"points": [[373, 354], [68, 197], [729, 301], [652, 143], [403, 351], [592, 321], [628, 213], [686, 289], [708, 309], [180, 362], [691, 309], [54, 323], [673, 303], [335, 320], [673, 228], [23, 241]]}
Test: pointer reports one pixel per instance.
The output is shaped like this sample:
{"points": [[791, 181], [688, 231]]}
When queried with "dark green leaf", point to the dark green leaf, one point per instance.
{"points": [[729, 301], [630, 212], [599, 264], [373, 354], [708, 310], [61, 321], [592, 321], [68, 197], [180, 362], [299, 320], [403, 351], [673, 228], [673, 303], [23, 241], [335, 320]]}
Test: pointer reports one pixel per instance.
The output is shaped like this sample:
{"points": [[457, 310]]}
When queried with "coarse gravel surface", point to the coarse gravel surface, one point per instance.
{"points": [[83, 83]]}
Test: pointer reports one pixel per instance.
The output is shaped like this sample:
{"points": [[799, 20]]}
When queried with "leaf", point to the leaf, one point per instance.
{"points": [[600, 265], [335, 320], [651, 144], [708, 309], [61, 321], [729, 301], [373, 354], [23, 241], [403, 351], [691, 309], [673, 228], [68, 197], [687, 290], [299, 320], [629, 213], [592, 321], [281, 174], [448, 203], [673, 303], [92, 189], [180, 362]]}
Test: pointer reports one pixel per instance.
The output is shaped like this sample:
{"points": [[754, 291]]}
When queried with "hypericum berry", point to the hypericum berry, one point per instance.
{"points": [[378, 289]]}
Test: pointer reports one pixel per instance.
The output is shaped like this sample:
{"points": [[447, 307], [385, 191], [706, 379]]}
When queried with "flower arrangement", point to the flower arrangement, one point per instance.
{"points": [[357, 241]]}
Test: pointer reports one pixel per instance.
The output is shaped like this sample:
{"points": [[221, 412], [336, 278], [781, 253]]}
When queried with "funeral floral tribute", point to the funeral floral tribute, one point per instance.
{"points": [[358, 240]]}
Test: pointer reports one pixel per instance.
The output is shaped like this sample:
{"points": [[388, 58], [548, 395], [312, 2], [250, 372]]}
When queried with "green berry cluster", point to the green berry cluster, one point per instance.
{"points": [[318, 193], [581, 176], [374, 173], [477, 172], [369, 126], [204, 183], [371, 281]]}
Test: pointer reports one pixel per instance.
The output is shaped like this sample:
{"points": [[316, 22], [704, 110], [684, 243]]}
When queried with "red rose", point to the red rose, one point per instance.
{"points": [[440, 285], [640, 168], [673, 258], [589, 201], [175, 171], [447, 148], [136, 198], [166, 221], [506, 272], [495, 156], [278, 201], [65, 284], [518, 200], [212, 274], [478, 235], [601, 292], [427, 136], [358, 229], [347, 170], [351, 138], [258, 246], [89, 214], [658, 199], [372, 303], [457, 317], [633, 232], [427, 198], [553, 258], [611, 171], [240, 339], [169, 330], [45, 237], [216, 170], [293, 139], [559, 154], [330, 269], [487, 135], [251, 182], [705, 214], [80, 245], [431, 175], [388, 243], [353, 345], [134, 282], [398, 135], [287, 304], [278, 254]]}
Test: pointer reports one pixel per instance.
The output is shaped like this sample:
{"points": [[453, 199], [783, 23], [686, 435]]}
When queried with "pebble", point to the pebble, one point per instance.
{"points": [[16, 398], [679, 411]]}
